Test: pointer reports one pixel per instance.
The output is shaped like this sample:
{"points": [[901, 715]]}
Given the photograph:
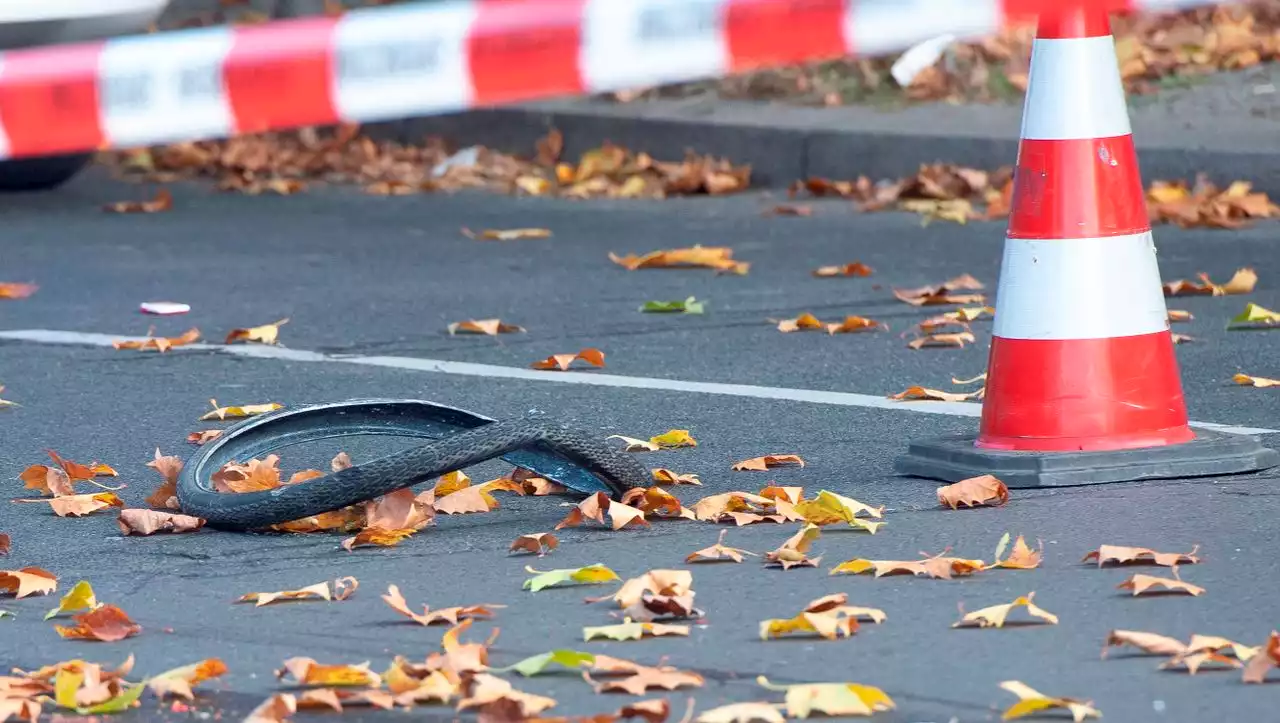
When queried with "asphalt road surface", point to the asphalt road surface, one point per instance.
{"points": [[369, 278]]}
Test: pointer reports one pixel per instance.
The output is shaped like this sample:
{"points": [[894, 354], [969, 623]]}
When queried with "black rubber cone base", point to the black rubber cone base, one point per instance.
{"points": [[952, 459]]}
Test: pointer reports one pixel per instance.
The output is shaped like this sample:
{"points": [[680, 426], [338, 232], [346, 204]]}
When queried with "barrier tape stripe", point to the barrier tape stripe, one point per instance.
{"points": [[384, 63]]}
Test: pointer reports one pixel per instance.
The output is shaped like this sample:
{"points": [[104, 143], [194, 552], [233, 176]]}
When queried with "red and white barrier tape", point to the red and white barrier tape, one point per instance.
{"points": [[413, 60]]}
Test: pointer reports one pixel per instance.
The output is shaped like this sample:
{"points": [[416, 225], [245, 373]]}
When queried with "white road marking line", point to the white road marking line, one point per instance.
{"points": [[441, 366]]}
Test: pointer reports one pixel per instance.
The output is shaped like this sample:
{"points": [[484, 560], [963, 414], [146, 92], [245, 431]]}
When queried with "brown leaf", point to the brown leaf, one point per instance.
{"points": [[995, 616], [1140, 584], [149, 522], [668, 477], [162, 202], [916, 394], [1021, 558], [973, 492], [1146, 642], [1243, 282], [449, 616], [789, 209], [1245, 380], [1141, 556], [596, 507], [5, 543], [27, 581], [166, 495], [804, 322], [767, 462], [958, 339], [276, 709], [401, 510], [204, 436], [647, 678], [306, 671], [255, 476], [939, 567], [943, 293], [80, 505], [11, 290], [855, 325], [489, 327], [159, 343], [376, 537], [857, 268], [718, 258], [561, 362], [496, 700], [107, 623], [657, 502], [1261, 664], [318, 591], [539, 543], [718, 551], [265, 334]]}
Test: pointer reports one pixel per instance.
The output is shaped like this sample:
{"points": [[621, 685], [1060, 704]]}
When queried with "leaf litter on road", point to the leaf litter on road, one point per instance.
{"points": [[827, 617], [341, 590], [1140, 556], [1255, 317], [562, 362], [265, 334], [161, 344], [238, 411], [488, 327], [996, 616], [719, 552], [1033, 702], [1245, 380], [539, 543], [832, 699], [974, 492]]}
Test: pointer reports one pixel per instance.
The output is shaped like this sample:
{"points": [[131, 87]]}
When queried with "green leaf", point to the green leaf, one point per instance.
{"points": [[689, 306], [1254, 314], [6, 614], [79, 599], [538, 663], [118, 704], [1000, 548], [589, 575]]}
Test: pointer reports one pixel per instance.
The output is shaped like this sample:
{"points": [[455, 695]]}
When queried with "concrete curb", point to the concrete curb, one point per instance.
{"points": [[783, 143]]}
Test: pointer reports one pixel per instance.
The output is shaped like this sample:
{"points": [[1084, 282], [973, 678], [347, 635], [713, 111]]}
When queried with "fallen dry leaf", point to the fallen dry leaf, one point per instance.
{"points": [[489, 327], [265, 334], [238, 412], [755, 712], [1032, 702], [958, 340], [1245, 380], [718, 258], [1140, 584], [1242, 282], [256, 475], [645, 679], [204, 436], [1141, 556], [5, 543], [376, 537], [657, 502], [832, 699], [596, 507], [510, 234], [804, 322], [79, 505], [629, 630], [1178, 316], [995, 616], [1021, 558], [942, 568], [159, 343], [854, 325], [674, 439], [917, 394], [107, 623], [496, 700], [828, 617], [767, 462], [277, 709], [1205, 206], [973, 492], [636, 445], [561, 362], [857, 268], [149, 522], [1264, 661], [454, 494], [943, 293], [162, 202], [789, 209], [538, 543], [166, 495], [669, 477], [1146, 642], [306, 671], [718, 552], [829, 508], [13, 290], [179, 681], [27, 581], [319, 591], [795, 551], [449, 616]]}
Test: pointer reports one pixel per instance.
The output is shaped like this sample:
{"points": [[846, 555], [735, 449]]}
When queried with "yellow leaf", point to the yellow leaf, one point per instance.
{"points": [[1245, 380], [673, 439], [833, 699], [509, 234], [1032, 701], [636, 445], [590, 575], [1022, 557], [306, 671], [1256, 315], [237, 412], [80, 598], [829, 508]]}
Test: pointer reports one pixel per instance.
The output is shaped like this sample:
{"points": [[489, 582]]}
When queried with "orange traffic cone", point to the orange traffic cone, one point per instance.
{"points": [[1087, 383]]}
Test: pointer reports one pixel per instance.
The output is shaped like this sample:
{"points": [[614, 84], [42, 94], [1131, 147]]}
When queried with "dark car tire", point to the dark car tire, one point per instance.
{"points": [[41, 174]]}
